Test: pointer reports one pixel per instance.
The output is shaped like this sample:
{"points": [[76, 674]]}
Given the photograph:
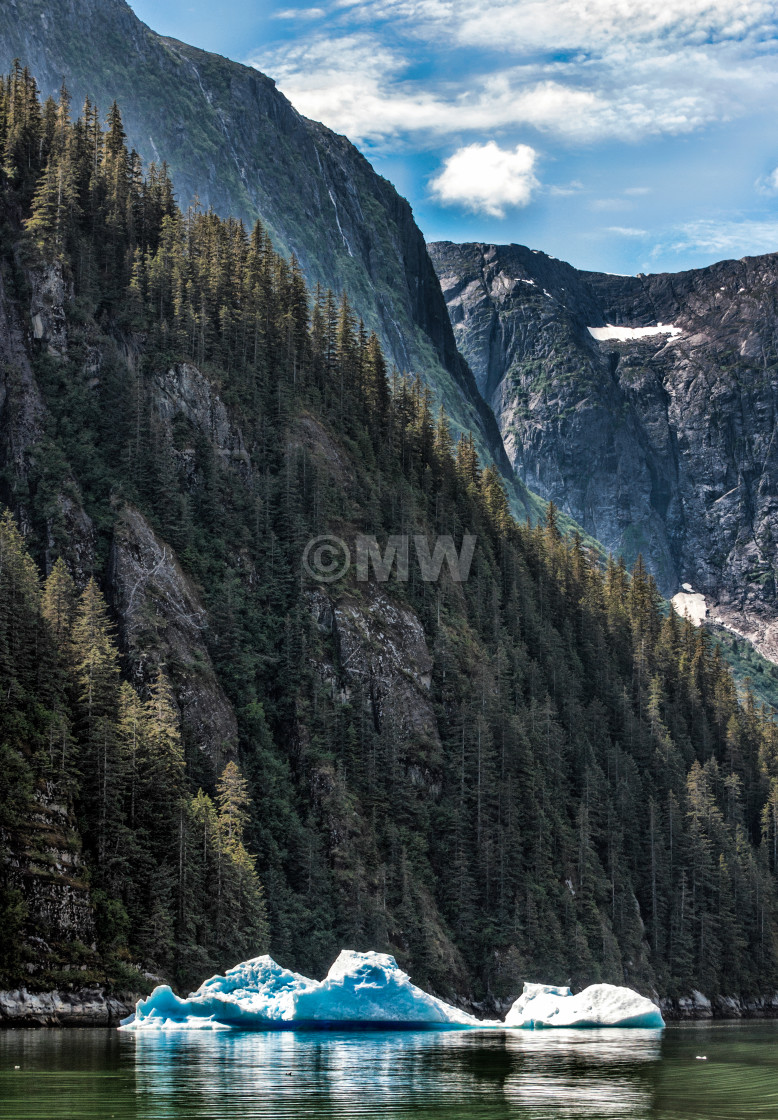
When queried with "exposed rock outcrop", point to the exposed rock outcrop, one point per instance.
{"points": [[86, 1007], [662, 444], [50, 294], [21, 406], [697, 1006], [23, 416], [45, 859], [71, 534], [183, 391], [162, 623], [381, 659]]}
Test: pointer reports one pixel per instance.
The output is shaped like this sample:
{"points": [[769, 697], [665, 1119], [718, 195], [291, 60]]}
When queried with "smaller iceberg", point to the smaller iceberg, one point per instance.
{"points": [[599, 1005], [359, 989]]}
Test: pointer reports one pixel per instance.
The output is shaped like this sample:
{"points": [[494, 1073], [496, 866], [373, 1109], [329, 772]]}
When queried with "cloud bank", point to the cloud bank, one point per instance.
{"points": [[584, 71]]}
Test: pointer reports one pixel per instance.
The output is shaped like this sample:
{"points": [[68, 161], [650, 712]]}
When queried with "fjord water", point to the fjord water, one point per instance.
{"points": [[440, 1075]]}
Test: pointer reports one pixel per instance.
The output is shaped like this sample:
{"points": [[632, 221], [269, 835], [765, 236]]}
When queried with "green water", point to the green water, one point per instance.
{"points": [[486, 1075]]}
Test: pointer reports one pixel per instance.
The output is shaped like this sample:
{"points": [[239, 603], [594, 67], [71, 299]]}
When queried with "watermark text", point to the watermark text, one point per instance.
{"points": [[328, 558]]}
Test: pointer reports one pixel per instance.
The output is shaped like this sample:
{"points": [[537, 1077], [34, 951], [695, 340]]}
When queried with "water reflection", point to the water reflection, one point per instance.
{"points": [[590, 1074], [459, 1075], [480, 1074]]}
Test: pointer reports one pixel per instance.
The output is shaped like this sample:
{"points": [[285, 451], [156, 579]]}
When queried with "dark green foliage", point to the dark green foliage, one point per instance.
{"points": [[83, 736], [748, 666], [590, 801]]}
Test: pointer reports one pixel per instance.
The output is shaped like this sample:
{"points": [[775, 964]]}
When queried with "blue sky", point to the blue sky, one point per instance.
{"points": [[616, 134]]}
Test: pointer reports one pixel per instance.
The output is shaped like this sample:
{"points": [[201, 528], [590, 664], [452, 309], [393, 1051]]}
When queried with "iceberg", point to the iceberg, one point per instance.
{"points": [[599, 1005], [359, 989], [368, 989]]}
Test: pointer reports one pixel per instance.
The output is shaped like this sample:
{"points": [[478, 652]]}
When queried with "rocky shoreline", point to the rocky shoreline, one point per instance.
{"points": [[94, 1007], [696, 1006], [86, 1007]]}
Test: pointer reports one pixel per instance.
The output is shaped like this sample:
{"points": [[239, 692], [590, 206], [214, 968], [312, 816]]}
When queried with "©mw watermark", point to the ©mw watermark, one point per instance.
{"points": [[328, 558]]}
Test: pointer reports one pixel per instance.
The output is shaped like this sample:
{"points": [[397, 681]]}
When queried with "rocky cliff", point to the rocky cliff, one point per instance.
{"points": [[235, 143], [657, 442]]}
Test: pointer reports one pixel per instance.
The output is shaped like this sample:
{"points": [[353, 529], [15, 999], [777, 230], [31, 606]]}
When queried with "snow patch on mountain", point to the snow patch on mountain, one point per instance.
{"points": [[610, 332], [692, 603]]}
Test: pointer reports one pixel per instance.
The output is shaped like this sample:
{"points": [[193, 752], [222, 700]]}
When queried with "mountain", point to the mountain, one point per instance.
{"points": [[659, 443], [234, 142], [211, 746]]}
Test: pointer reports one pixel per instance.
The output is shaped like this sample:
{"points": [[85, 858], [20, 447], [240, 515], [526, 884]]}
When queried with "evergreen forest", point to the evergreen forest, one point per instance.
{"points": [[575, 792]]}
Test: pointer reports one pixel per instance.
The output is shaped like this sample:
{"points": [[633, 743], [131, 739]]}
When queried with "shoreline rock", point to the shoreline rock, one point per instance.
{"points": [[86, 1007], [697, 1007]]}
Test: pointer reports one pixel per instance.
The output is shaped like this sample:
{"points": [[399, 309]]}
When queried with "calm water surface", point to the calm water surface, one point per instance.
{"points": [[486, 1075]]}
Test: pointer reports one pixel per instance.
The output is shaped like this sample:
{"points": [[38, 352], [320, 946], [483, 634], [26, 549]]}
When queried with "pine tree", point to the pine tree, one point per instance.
{"points": [[233, 801], [96, 674]]}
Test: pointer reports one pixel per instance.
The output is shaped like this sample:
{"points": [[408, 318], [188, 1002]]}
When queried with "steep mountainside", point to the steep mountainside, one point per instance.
{"points": [[211, 745], [233, 141], [662, 444]]}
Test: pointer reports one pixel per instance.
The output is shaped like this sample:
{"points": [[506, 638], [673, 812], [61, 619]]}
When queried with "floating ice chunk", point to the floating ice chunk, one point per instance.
{"points": [[624, 334], [359, 988], [599, 1005], [369, 987], [255, 993]]}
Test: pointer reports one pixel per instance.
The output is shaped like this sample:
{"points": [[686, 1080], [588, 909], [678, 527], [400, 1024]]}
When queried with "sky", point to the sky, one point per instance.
{"points": [[623, 136]]}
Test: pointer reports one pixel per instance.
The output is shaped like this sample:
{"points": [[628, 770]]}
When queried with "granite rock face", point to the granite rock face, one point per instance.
{"points": [[87, 1007], [22, 410], [381, 660], [662, 444], [162, 622], [44, 854], [50, 294]]}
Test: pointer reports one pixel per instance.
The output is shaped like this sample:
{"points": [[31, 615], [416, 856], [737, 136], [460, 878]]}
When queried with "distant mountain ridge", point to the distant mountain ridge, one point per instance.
{"points": [[233, 141], [658, 444]]}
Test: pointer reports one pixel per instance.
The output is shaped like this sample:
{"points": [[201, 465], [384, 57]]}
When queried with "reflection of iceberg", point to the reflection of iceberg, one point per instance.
{"points": [[396, 1075], [599, 1005], [582, 1074], [359, 988]]}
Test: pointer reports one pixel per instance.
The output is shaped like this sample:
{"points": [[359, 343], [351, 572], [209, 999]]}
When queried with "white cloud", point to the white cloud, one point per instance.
{"points": [[743, 237], [582, 70], [768, 184], [610, 204], [575, 186], [627, 231], [487, 179], [612, 26], [300, 13], [358, 86]]}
